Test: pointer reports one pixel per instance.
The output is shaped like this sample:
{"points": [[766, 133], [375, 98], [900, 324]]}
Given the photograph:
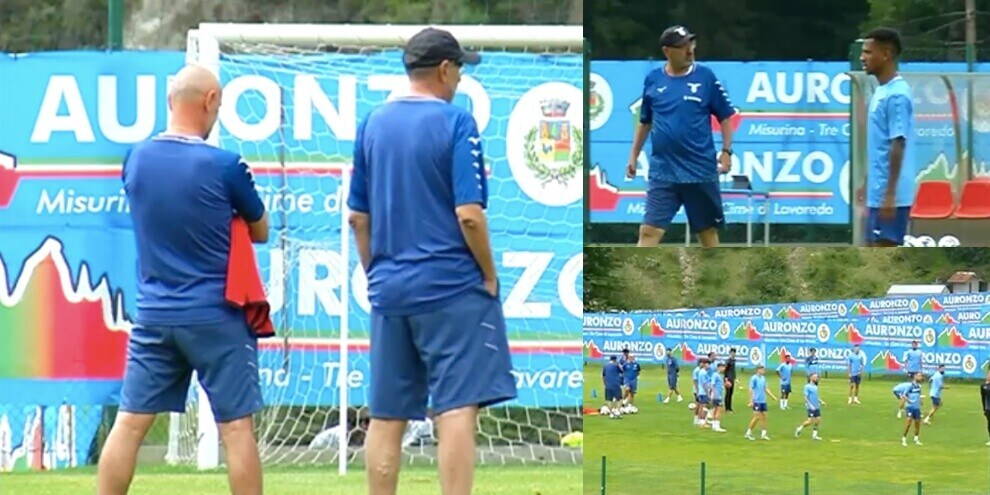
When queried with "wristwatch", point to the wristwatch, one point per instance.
{"points": [[727, 151]]}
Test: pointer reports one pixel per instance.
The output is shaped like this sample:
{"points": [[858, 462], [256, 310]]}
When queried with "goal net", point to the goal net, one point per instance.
{"points": [[945, 134], [293, 96]]}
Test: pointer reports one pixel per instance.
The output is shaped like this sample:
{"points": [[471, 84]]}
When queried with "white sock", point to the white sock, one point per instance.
{"points": [[749, 431], [916, 438], [764, 433], [800, 427]]}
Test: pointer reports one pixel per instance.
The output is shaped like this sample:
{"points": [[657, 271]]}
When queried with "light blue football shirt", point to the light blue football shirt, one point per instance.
{"points": [[912, 360], [785, 373], [856, 363], [937, 379], [811, 396], [891, 117], [718, 386], [914, 396], [758, 384], [902, 388]]}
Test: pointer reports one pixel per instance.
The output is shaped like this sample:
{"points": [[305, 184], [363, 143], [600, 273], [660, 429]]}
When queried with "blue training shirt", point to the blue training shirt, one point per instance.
{"points": [[680, 109], [912, 360], [630, 371], [811, 365], [416, 159], [914, 396], [785, 373], [856, 363], [183, 194], [758, 384], [891, 117], [718, 386], [612, 374], [937, 381], [811, 396], [672, 366], [902, 388]]}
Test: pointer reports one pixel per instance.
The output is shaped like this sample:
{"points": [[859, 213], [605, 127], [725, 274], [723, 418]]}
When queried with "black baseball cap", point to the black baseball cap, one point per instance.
{"points": [[675, 35], [431, 46]]}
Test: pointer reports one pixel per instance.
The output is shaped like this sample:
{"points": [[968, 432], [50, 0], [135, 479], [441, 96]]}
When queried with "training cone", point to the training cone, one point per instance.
{"points": [[594, 393], [660, 398]]}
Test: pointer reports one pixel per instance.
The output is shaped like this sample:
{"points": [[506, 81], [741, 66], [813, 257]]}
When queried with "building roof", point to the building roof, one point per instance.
{"points": [[962, 277]]}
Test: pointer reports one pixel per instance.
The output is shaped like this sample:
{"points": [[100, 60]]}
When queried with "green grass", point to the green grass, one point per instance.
{"points": [[162, 480], [659, 451]]}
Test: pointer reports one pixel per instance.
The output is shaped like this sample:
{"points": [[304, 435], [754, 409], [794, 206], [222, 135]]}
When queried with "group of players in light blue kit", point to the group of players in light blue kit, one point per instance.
{"points": [[709, 384]]}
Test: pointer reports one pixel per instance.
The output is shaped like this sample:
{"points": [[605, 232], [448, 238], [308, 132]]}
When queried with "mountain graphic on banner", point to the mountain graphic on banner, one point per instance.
{"points": [[788, 313], [592, 351], [747, 330], [946, 319], [931, 304], [650, 328], [848, 334], [776, 357], [684, 354], [950, 337], [886, 361], [52, 330], [859, 309]]}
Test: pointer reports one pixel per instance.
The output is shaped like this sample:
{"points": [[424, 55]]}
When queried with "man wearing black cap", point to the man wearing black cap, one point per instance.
{"points": [[417, 197], [678, 102]]}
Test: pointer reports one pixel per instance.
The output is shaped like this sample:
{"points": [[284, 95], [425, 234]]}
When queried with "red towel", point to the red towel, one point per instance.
{"points": [[244, 287]]}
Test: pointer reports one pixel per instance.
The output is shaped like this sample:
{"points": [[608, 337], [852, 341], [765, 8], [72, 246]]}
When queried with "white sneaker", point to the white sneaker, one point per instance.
{"points": [[849, 401], [899, 414], [927, 421], [750, 437], [816, 437], [904, 442], [765, 437], [719, 430], [988, 444], [666, 400], [679, 398], [856, 400], [918, 442], [797, 432]]}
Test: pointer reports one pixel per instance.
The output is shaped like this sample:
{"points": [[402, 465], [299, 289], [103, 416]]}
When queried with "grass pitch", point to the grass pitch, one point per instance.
{"points": [[508, 480], [660, 451]]}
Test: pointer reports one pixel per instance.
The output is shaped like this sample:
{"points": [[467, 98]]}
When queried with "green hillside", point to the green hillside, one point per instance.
{"points": [[666, 278]]}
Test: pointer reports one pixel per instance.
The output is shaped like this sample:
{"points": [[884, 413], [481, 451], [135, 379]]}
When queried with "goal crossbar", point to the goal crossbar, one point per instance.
{"points": [[477, 36]]}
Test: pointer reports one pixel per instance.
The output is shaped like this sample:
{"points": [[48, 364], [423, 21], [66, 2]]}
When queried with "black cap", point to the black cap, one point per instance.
{"points": [[431, 46], [675, 35]]}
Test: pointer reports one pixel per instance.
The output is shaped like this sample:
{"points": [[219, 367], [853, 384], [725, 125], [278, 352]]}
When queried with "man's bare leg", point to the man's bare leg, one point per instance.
{"points": [[649, 236], [119, 456], [708, 238], [243, 461], [383, 451], [455, 432]]}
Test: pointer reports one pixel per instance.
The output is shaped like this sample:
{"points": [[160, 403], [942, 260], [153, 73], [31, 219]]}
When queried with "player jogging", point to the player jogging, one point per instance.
{"points": [[813, 405], [672, 368], [700, 391], [911, 403], [678, 102], [985, 399], [937, 386], [784, 372], [183, 195], [716, 391], [418, 197], [854, 366], [612, 381], [890, 178], [899, 390], [630, 378], [811, 366], [758, 391]]}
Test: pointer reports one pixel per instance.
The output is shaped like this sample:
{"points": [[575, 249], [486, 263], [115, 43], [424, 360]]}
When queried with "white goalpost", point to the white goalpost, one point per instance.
{"points": [[293, 94]]}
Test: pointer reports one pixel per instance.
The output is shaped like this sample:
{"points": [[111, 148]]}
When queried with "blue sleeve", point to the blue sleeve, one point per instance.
{"points": [[469, 179], [900, 111], [357, 198], [243, 196], [719, 102], [646, 108]]}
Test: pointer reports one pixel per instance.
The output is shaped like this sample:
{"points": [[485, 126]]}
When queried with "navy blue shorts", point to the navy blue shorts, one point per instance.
{"points": [[936, 401], [703, 399], [632, 385], [913, 413], [855, 379], [702, 203], [450, 358], [613, 393], [672, 381], [785, 388], [760, 407], [161, 359], [892, 230], [716, 402], [814, 413]]}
